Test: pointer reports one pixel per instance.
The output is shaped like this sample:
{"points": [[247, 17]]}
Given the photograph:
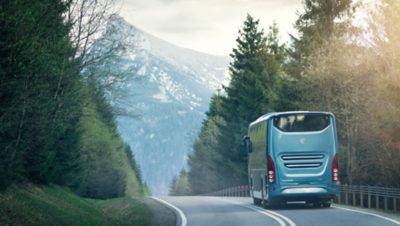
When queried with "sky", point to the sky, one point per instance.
{"points": [[209, 26]]}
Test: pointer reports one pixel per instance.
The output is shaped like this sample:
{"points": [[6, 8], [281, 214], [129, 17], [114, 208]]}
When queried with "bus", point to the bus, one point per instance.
{"points": [[292, 157]]}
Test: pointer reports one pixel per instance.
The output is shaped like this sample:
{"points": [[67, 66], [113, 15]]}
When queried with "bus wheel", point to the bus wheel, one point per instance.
{"points": [[326, 204], [271, 204], [317, 204], [256, 201]]}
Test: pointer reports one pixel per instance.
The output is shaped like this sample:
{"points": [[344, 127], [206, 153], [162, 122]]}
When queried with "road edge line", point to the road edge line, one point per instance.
{"points": [[280, 221], [368, 213], [180, 215]]}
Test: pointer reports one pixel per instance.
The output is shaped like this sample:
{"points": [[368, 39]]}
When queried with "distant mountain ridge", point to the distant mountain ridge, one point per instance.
{"points": [[171, 91]]}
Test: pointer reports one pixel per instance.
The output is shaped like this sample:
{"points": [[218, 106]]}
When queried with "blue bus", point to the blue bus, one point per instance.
{"points": [[293, 157]]}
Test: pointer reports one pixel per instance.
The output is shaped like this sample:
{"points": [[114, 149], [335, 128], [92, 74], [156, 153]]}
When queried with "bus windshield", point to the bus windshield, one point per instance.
{"points": [[301, 122]]}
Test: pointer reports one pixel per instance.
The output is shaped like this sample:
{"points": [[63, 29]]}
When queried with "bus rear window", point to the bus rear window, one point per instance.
{"points": [[301, 122]]}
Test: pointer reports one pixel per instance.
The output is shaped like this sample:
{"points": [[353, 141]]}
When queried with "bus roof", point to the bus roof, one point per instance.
{"points": [[272, 114]]}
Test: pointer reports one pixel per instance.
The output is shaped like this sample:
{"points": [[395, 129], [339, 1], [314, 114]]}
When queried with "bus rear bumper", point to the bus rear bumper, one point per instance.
{"points": [[303, 191], [305, 194]]}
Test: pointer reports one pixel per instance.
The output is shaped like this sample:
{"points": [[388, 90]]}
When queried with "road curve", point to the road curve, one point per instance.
{"points": [[223, 211]]}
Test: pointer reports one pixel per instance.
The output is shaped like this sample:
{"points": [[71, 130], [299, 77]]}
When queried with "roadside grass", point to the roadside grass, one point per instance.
{"points": [[54, 205]]}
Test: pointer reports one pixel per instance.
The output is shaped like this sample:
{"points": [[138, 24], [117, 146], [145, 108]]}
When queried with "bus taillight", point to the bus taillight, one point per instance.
{"points": [[271, 170], [335, 169]]}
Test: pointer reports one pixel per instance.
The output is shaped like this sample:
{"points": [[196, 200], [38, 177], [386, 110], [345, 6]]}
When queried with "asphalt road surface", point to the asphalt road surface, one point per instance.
{"points": [[223, 211]]}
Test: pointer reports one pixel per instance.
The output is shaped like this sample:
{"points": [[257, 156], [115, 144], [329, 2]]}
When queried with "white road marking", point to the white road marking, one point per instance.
{"points": [[181, 215], [272, 214], [372, 214], [291, 223]]}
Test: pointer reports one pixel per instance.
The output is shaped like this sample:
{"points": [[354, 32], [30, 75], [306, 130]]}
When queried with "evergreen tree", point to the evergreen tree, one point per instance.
{"points": [[253, 90], [132, 162], [322, 22], [39, 89], [56, 126], [180, 184], [205, 162]]}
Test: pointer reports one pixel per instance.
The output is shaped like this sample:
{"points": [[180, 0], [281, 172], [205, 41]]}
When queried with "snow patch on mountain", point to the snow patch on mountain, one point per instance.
{"points": [[170, 89]]}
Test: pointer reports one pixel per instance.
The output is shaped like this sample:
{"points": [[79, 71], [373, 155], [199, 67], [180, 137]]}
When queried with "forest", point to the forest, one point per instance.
{"points": [[56, 124], [344, 58]]}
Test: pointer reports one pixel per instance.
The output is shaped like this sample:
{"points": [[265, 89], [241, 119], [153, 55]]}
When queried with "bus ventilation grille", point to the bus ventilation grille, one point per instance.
{"points": [[302, 160]]}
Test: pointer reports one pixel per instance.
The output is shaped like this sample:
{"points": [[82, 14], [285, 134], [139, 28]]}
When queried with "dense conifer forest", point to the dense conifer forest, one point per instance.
{"points": [[56, 124], [333, 64]]}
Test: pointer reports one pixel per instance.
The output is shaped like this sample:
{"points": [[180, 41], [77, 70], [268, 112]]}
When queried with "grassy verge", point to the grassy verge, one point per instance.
{"points": [[53, 205]]}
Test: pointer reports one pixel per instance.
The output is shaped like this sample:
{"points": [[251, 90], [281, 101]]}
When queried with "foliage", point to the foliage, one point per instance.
{"points": [[53, 205], [104, 163], [180, 184], [386, 65], [132, 162], [331, 65], [40, 89], [56, 125], [206, 162], [254, 88]]}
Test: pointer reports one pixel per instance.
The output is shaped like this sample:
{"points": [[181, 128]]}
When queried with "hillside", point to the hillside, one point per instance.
{"points": [[54, 205]]}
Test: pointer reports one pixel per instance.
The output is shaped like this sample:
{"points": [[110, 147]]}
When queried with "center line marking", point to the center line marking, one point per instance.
{"points": [[274, 215]]}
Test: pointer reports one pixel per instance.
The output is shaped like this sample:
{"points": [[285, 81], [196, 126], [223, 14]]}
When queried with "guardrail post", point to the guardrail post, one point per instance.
{"points": [[395, 204], [377, 201], [346, 196], [369, 198], [354, 198], [386, 203], [361, 197]]}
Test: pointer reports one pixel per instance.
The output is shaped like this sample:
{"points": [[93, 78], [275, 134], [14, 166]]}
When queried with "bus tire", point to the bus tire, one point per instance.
{"points": [[326, 204], [317, 204], [271, 204], [256, 201]]}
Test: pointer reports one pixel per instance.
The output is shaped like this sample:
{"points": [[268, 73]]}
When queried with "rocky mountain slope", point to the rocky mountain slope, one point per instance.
{"points": [[169, 92]]}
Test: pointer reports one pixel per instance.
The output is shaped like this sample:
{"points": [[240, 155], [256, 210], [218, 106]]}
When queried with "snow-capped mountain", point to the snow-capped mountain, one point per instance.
{"points": [[170, 90]]}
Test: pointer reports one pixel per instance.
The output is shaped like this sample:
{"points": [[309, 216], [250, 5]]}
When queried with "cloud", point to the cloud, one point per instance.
{"points": [[206, 25]]}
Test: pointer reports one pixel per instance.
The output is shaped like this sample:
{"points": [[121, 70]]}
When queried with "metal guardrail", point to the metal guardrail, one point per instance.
{"points": [[387, 199], [237, 191], [370, 197]]}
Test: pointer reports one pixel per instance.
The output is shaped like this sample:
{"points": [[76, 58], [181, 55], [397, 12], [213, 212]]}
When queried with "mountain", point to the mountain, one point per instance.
{"points": [[169, 93]]}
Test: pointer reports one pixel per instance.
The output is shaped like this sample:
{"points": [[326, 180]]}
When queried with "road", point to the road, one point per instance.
{"points": [[224, 211]]}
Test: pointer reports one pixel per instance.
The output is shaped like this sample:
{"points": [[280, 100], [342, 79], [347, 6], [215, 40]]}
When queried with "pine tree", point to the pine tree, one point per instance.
{"points": [[253, 90], [39, 88], [322, 22], [180, 184], [205, 162]]}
